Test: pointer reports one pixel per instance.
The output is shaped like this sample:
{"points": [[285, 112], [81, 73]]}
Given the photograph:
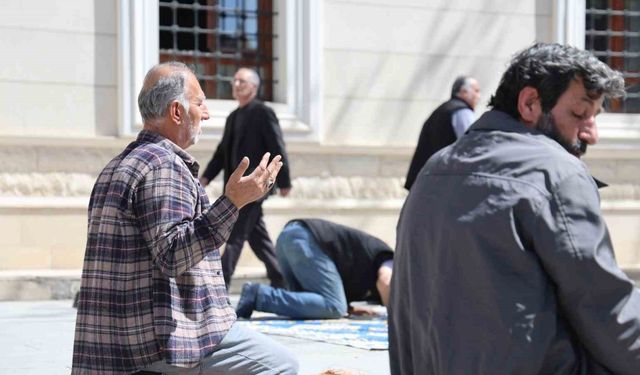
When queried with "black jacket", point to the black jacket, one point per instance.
{"points": [[357, 256], [437, 133], [249, 131]]}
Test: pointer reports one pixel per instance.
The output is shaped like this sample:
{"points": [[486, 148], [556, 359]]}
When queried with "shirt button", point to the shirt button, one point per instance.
{"points": [[228, 301]]}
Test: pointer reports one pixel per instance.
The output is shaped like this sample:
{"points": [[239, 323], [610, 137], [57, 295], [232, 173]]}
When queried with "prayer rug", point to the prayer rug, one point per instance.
{"points": [[364, 334]]}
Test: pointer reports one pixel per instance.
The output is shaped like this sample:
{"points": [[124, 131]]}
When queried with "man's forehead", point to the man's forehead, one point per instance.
{"points": [[193, 85], [241, 73], [577, 98], [589, 99], [593, 99], [580, 93], [193, 80]]}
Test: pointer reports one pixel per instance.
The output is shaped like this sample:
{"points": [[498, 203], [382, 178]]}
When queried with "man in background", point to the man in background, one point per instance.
{"points": [[252, 129], [446, 124]]}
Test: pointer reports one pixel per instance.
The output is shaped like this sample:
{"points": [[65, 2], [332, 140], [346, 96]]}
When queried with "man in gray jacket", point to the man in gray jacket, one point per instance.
{"points": [[504, 264]]}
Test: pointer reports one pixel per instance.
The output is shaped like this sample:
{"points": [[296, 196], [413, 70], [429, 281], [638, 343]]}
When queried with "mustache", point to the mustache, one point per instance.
{"points": [[583, 147]]}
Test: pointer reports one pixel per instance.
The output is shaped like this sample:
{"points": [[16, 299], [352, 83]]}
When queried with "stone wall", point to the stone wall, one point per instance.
{"points": [[45, 185]]}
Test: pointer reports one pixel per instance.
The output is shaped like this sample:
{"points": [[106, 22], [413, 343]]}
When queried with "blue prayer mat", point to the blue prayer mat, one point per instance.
{"points": [[364, 334]]}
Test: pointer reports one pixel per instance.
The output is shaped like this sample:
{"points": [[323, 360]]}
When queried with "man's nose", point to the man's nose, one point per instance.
{"points": [[205, 114], [589, 131]]}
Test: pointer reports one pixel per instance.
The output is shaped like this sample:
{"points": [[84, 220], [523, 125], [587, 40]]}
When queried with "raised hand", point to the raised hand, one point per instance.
{"points": [[242, 190]]}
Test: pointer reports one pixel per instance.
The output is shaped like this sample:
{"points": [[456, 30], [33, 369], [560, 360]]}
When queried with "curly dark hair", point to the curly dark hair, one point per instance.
{"points": [[549, 68]]}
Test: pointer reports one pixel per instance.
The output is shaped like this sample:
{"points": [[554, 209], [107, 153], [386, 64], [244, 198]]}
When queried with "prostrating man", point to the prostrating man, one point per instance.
{"points": [[252, 129], [326, 266], [446, 124], [152, 295], [504, 264]]}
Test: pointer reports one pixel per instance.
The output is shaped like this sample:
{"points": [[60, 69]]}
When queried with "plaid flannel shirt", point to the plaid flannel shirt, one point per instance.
{"points": [[152, 285]]}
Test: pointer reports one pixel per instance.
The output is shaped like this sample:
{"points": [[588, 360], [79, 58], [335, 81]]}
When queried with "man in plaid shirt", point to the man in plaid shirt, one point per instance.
{"points": [[153, 296]]}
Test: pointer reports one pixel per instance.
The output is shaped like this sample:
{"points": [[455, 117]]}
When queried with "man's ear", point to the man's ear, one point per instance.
{"points": [[174, 112], [529, 105]]}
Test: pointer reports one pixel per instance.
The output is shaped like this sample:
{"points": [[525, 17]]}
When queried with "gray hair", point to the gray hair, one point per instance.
{"points": [[549, 68], [461, 83], [154, 101], [254, 78]]}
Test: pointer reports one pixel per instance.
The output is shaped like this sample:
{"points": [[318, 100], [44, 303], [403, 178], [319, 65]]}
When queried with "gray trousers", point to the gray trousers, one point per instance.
{"points": [[241, 352]]}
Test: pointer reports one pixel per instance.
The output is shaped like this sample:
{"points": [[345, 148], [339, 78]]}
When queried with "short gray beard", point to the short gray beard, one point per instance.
{"points": [[194, 136], [546, 125]]}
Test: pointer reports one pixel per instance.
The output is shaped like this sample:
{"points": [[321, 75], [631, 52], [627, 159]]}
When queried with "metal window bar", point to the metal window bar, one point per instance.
{"points": [[612, 35], [626, 34], [612, 12], [213, 36]]}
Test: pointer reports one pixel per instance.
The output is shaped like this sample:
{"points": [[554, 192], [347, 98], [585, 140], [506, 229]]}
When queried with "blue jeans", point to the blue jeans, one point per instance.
{"points": [[315, 287], [241, 352]]}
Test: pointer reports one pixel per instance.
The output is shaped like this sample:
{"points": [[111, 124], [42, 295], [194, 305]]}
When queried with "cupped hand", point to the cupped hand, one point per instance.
{"points": [[242, 190]]}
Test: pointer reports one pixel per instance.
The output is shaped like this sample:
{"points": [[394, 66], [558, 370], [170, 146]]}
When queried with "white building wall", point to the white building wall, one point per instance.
{"points": [[389, 64], [58, 68]]}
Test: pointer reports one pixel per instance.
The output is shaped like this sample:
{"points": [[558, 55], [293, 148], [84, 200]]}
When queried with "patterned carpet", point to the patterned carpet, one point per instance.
{"points": [[363, 334]]}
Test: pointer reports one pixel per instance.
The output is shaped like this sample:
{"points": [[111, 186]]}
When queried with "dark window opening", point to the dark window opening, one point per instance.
{"points": [[216, 37], [613, 35]]}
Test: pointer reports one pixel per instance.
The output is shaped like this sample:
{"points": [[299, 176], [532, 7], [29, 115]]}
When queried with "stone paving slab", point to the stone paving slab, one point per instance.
{"points": [[36, 337]]}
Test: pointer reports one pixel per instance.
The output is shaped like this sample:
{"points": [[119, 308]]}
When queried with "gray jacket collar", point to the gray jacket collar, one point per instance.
{"points": [[501, 121]]}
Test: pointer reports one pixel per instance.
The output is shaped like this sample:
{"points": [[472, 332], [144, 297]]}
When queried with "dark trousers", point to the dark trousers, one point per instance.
{"points": [[250, 227]]}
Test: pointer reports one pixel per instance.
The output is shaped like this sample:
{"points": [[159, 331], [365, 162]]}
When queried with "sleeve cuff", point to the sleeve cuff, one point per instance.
{"points": [[222, 214]]}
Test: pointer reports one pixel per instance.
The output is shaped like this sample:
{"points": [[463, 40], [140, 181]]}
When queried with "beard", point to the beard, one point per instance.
{"points": [[194, 133], [546, 125]]}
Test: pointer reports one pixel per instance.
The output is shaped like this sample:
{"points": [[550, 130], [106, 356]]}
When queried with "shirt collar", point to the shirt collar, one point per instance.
{"points": [[149, 136]]}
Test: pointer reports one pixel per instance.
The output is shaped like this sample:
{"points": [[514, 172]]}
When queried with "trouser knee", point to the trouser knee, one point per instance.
{"points": [[285, 240], [338, 310]]}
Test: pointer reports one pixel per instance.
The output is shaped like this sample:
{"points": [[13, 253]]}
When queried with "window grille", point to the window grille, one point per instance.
{"points": [[613, 35], [216, 37]]}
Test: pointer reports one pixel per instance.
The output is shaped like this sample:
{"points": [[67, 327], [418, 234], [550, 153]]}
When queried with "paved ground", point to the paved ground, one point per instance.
{"points": [[36, 337]]}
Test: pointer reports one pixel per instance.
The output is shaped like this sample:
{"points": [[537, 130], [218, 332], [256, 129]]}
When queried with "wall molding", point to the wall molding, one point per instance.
{"points": [[72, 185], [32, 191]]}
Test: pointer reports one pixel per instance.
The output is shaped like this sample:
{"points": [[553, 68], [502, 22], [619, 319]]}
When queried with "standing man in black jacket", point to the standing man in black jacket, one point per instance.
{"points": [[446, 124], [251, 130]]}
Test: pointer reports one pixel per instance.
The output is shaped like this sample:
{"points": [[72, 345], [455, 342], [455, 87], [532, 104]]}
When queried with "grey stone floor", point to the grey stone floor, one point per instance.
{"points": [[36, 337]]}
